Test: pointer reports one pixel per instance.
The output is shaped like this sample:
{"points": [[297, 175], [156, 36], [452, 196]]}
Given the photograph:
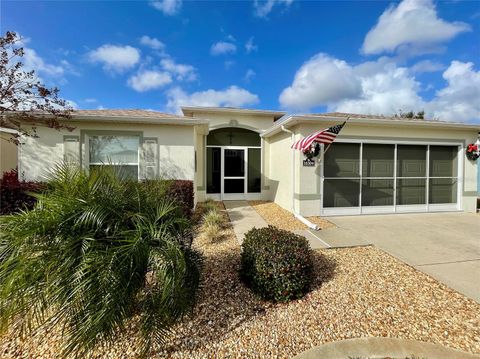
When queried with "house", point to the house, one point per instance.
{"points": [[8, 150], [376, 165]]}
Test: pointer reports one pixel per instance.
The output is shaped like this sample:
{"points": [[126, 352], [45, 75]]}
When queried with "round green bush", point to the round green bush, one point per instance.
{"points": [[276, 264]]}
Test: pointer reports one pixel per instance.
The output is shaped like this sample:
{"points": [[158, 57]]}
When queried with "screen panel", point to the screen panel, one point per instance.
{"points": [[254, 170], [213, 170], [411, 161], [442, 190], [411, 191], [377, 192], [443, 161], [342, 160], [378, 160], [341, 193]]}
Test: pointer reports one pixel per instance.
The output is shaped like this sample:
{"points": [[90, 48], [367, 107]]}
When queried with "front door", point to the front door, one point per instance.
{"points": [[234, 164]]}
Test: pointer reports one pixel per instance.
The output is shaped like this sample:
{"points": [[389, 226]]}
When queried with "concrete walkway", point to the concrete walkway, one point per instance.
{"points": [[444, 245], [382, 348], [243, 218]]}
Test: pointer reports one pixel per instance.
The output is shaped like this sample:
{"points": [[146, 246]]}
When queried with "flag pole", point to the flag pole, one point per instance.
{"points": [[326, 149]]}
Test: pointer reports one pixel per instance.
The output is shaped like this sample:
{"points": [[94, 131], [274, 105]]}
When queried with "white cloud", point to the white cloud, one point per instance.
{"points": [[411, 26], [168, 7], [320, 80], [232, 96], [263, 8], [152, 42], [427, 66], [385, 89], [115, 58], [182, 72], [32, 61], [250, 46], [460, 99], [382, 87], [249, 75], [149, 80], [222, 48]]}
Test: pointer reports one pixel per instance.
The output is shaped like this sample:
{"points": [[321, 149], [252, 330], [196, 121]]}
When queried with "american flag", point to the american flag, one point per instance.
{"points": [[326, 136]]}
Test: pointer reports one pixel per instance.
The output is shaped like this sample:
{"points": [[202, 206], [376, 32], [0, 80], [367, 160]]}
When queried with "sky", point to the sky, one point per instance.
{"points": [[371, 57]]}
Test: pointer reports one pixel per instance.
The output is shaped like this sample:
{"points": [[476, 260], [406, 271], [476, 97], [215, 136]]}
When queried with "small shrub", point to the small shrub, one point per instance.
{"points": [[276, 264], [181, 191], [212, 223], [210, 231], [209, 204], [16, 195], [213, 217]]}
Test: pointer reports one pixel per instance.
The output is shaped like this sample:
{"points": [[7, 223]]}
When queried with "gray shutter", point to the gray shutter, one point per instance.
{"points": [[71, 149], [150, 158]]}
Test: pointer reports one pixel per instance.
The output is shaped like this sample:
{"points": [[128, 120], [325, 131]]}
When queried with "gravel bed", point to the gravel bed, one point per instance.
{"points": [[275, 215], [358, 292]]}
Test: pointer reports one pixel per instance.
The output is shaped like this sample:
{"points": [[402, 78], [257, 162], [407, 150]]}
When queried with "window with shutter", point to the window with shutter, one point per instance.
{"points": [[71, 149], [150, 147]]}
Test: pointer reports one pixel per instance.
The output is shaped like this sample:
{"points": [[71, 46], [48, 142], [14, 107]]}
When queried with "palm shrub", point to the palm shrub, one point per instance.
{"points": [[94, 252], [276, 264], [209, 205], [212, 223]]}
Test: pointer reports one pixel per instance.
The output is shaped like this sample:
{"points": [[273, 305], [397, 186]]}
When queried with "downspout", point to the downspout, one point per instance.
{"points": [[297, 215]]}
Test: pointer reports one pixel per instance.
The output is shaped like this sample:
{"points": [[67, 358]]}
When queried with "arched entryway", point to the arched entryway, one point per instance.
{"points": [[234, 163]]}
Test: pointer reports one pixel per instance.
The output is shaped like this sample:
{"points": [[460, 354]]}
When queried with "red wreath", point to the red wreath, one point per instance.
{"points": [[472, 152]]}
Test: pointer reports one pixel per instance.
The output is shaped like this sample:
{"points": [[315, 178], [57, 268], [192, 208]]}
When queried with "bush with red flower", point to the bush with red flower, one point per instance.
{"points": [[15, 194], [472, 152]]}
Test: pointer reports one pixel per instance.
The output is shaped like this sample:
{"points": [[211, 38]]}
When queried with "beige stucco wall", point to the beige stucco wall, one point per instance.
{"points": [[279, 175], [175, 145], [308, 186], [8, 153], [254, 122]]}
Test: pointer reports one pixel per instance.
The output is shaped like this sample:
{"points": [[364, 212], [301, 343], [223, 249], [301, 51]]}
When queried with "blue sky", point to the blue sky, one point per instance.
{"points": [[301, 56]]}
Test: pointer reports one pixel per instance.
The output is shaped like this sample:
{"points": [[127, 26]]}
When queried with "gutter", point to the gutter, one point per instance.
{"points": [[295, 119], [297, 215]]}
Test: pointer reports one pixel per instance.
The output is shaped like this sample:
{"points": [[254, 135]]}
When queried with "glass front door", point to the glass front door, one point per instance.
{"points": [[233, 171]]}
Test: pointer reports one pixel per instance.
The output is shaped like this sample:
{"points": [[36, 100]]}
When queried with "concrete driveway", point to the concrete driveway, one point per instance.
{"points": [[443, 245]]}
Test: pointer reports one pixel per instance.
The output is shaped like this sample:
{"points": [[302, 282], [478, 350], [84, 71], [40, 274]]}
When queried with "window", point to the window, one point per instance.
{"points": [[254, 170], [120, 152]]}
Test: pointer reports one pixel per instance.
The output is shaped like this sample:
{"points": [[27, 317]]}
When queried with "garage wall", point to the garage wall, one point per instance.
{"points": [[309, 176]]}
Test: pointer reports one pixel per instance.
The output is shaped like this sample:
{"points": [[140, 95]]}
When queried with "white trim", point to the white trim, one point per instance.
{"points": [[297, 119], [235, 196], [360, 173], [198, 109], [427, 170]]}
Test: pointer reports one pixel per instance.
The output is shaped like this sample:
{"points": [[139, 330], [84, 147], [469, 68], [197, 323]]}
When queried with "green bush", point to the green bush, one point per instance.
{"points": [[276, 264], [94, 252], [213, 217], [212, 223], [209, 205]]}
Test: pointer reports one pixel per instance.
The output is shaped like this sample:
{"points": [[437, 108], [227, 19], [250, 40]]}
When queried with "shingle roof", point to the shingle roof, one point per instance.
{"points": [[128, 113], [374, 117]]}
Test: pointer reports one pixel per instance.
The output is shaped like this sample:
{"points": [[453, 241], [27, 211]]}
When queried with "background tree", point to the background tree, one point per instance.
{"points": [[411, 114], [25, 102]]}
